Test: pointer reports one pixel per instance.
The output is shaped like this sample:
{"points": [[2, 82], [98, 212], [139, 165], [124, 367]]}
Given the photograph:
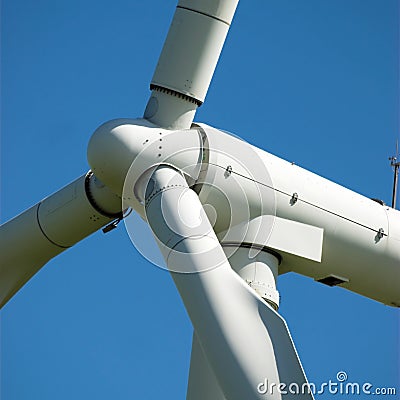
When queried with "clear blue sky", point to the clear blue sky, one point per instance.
{"points": [[313, 81]]}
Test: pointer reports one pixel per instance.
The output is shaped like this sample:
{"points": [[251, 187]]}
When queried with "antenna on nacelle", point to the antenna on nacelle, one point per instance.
{"points": [[395, 163]]}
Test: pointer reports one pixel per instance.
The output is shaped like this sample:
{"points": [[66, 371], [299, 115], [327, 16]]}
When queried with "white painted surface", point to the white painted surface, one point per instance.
{"points": [[244, 340]]}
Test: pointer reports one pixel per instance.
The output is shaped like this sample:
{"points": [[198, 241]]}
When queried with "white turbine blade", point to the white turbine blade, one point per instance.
{"points": [[188, 60], [202, 383], [30, 240], [246, 343]]}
